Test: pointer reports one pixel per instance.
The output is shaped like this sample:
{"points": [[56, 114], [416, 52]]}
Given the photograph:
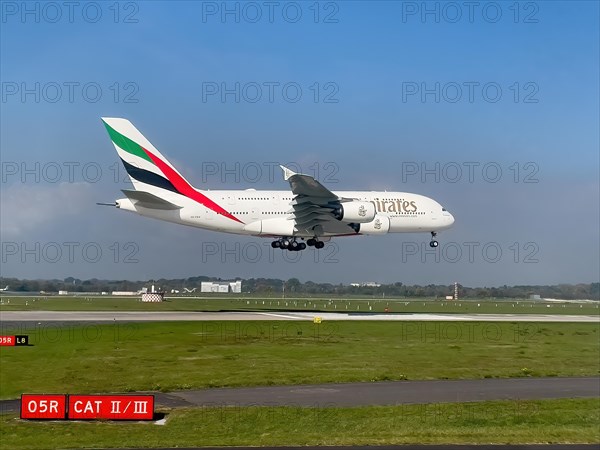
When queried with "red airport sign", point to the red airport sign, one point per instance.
{"points": [[12, 341], [87, 407], [111, 407], [7, 341], [43, 406]]}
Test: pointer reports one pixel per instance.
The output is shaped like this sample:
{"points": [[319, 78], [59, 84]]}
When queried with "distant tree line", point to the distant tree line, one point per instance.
{"points": [[293, 286]]}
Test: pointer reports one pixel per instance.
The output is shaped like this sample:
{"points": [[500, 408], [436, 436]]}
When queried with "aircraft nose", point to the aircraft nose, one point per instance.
{"points": [[448, 218]]}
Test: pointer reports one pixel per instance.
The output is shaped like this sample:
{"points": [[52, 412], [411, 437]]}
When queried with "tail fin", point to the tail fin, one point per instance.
{"points": [[147, 168], [150, 172]]}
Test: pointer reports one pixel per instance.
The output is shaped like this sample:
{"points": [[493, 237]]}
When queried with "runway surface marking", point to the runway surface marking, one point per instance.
{"points": [[155, 316], [282, 316]]}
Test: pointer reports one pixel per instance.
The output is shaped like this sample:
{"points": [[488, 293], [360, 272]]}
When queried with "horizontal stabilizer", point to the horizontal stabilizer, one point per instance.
{"points": [[148, 200]]}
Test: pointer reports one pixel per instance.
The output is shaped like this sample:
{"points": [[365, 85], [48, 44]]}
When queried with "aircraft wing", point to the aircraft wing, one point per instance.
{"points": [[313, 205], [307, 186]]}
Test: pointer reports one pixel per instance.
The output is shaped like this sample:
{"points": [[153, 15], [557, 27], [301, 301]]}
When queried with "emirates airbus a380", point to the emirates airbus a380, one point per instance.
{"points": [[308, 214]]}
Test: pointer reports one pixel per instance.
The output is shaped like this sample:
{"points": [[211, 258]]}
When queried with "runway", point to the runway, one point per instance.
{"points": [[169, 316], [388, 393], [376, 394]]}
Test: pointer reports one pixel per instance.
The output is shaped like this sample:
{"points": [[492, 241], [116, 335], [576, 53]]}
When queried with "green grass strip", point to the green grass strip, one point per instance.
{"points": [[169, 356], [500, 422]]}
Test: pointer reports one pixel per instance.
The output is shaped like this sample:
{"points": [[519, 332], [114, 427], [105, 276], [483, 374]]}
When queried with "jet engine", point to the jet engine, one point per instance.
{"points": [[355, 212], [380, 225]]}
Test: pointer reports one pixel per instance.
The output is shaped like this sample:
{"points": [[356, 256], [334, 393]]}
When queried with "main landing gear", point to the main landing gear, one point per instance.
{"points": [[293, 245], [433, 242], [316, 243], [290, 244]]}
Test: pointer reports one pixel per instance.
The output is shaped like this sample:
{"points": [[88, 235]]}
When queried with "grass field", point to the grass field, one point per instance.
{"points": [[228, 303], [125, 357], [545, 421]]}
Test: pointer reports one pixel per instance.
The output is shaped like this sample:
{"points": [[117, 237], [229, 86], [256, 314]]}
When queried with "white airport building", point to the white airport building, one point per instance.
{"points": [[221, 286], [366, 284]]}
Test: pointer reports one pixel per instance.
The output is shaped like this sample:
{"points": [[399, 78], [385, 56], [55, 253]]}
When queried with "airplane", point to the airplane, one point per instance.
{"points": [[189, 291], [5, 289], [308, 214]]}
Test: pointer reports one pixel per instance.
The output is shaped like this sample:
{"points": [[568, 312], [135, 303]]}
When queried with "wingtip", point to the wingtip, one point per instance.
{"points": [[113, 120], [287, 173]]}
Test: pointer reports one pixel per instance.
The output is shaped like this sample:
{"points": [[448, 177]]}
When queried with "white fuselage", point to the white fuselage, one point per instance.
{"points": [[269, 213]]}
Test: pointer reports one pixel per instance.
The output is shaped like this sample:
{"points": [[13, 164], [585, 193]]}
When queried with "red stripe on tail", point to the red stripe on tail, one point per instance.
{"points": [[184, 187]]}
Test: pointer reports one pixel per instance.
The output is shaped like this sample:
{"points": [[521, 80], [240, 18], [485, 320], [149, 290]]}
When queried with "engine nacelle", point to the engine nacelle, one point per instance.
{"points": [[379, 225], [355, 212]]}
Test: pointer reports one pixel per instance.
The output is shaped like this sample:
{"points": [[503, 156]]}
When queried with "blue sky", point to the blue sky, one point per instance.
{"points": [[533, 114]]}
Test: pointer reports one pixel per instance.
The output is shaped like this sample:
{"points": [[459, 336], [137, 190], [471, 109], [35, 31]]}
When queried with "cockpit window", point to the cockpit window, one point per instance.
{"points": [[443, 209]]}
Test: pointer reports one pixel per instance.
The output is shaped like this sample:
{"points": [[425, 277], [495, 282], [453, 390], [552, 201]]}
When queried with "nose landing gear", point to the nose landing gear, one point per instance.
{"points": [[433, 243]]}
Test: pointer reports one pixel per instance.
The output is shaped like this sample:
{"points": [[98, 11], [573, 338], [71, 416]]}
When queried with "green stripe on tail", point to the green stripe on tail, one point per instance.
{"points": [[126, 144]]}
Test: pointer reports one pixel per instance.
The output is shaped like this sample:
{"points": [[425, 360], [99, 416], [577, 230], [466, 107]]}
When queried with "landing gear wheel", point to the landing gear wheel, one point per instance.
{"points": [[301, 246], [311, 242], [284, 244], [294, 245], [276, 244], [433, 243], [319, 244]]}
